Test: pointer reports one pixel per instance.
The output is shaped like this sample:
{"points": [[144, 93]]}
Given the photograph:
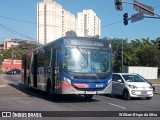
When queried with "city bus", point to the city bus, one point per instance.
{"points": [[69, 65]]}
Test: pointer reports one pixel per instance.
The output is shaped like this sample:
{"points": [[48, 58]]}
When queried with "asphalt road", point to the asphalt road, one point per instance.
{"points": [[16, 97]]}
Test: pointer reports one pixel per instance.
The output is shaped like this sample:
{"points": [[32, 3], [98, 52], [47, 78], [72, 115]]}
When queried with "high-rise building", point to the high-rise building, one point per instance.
{"points": [[68, 22], [88, 24], [53, 21]]}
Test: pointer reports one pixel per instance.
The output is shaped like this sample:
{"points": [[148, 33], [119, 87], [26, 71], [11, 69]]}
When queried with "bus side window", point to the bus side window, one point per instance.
{"points": [[65, 64]]}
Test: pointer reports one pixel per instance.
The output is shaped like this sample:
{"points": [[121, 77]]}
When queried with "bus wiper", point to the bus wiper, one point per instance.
{"points": [[96, 53], [82, 53]]}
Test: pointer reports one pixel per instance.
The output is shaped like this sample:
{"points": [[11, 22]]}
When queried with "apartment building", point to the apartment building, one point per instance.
{"points": [[88, 24], [53, 21]]}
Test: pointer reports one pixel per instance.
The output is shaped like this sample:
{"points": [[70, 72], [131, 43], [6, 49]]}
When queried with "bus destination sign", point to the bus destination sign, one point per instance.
{"points": [[87, 43]]}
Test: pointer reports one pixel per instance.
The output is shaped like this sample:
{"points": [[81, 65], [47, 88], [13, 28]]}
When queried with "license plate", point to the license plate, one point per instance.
{"points": [[143, 92], [99, 85], [90, 92]]}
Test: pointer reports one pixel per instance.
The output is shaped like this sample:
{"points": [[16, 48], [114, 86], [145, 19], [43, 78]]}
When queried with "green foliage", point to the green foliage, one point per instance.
{"points": [[17, 51], [142, 52]]}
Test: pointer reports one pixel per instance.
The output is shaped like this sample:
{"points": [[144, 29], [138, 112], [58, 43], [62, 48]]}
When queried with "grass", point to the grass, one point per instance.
{"points": [[155, 81]]}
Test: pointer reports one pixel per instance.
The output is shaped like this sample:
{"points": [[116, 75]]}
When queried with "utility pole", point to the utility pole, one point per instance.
{"points": [[122, 55]]}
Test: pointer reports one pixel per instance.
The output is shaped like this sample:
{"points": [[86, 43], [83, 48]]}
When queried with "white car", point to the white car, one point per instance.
{"points": [[131, 85]]}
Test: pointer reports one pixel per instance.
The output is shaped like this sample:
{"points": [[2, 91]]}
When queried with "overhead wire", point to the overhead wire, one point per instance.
{"points": [[22, 35], [14, 32], [47, 24]]}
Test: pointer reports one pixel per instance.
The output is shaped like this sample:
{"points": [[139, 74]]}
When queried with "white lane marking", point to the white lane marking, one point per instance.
{"points": [[116, 105]]}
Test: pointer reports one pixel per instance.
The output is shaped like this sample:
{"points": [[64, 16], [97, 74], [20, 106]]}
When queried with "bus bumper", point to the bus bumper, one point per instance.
{"points": [[69, 89]]}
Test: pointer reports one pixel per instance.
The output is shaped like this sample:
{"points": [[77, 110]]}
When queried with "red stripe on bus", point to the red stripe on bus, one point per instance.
{"points": [[65, 85], [81, 85]]}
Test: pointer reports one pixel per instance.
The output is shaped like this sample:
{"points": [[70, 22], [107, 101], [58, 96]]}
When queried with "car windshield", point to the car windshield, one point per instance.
{"points": [[133, 78], [86, 60]]}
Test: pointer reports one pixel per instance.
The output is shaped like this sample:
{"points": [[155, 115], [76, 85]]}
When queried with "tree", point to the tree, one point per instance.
{"points": [[97, 36], [149, 56], [136, 53], [18, 51], [117, 52]]}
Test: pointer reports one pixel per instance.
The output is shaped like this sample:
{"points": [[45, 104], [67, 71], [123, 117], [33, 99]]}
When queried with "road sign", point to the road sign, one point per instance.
{"points": [[136, 17], [145, 9]]}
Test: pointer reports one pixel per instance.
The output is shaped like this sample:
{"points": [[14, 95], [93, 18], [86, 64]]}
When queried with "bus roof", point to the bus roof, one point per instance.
{"points": [[67, 38]]}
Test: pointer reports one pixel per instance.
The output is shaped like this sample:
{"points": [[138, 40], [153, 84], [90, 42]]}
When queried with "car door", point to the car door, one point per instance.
{"points": [[117, 86]]}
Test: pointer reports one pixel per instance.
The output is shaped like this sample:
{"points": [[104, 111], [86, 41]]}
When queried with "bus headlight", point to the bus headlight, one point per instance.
{"points": [[67, 80], [109, 81]]}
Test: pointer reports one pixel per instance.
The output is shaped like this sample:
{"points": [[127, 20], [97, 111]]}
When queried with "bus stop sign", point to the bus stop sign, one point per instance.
{"points": [[136, 17]]}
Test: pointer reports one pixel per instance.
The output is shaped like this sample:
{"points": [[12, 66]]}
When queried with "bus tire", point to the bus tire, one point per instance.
{"points": [[49, 89], [88, 97]]}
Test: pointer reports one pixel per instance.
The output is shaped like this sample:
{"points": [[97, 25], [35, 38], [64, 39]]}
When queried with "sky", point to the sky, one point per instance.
{"points": [[18, 18]]}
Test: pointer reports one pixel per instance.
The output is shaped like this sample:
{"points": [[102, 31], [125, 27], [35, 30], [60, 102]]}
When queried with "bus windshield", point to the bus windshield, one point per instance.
{"points": [[86, 60]]}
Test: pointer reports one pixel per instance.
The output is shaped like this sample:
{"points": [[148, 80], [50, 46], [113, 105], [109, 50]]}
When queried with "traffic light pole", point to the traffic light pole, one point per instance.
{"points": [[141, 7], [151, 17]]}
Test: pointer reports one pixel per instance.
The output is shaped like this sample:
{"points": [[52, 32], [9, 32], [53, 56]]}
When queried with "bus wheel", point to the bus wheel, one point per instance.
{"points": [[88, 97], [49, 90]]}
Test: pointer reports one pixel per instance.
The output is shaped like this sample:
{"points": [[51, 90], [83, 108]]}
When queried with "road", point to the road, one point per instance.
{"points": [[16, 97]]}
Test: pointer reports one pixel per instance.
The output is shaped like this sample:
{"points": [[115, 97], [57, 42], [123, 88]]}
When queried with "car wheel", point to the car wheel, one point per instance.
{"points": [[126, 95], [148, 98]]}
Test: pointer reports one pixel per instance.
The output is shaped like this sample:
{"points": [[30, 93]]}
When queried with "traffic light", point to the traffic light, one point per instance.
{"points": [[125, 18], [118, 5]]}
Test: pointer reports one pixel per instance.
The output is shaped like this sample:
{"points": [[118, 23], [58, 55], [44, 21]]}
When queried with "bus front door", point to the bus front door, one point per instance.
{"points": [[55, 70], [35, 71]]}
